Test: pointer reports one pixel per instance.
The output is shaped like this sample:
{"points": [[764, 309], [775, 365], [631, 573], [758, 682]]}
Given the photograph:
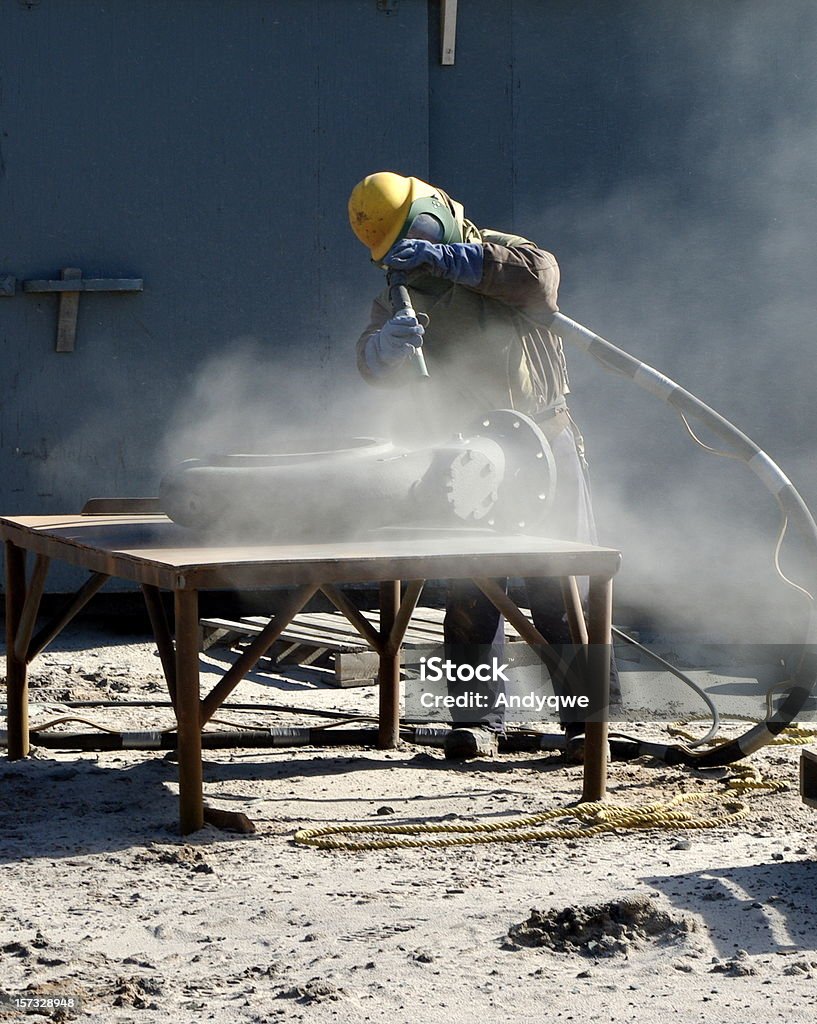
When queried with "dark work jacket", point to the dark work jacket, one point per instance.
{"points": [[485, 347]]}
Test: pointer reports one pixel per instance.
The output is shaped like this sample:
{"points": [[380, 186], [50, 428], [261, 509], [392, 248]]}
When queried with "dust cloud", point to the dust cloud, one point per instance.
{"points": [[697, 256]]}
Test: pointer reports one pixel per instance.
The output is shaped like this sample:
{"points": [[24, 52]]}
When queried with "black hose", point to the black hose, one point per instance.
{"points": [[791, 504]]}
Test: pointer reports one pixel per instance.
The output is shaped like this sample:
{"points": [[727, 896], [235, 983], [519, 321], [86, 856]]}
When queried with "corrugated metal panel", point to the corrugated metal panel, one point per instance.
{"points": [[208, 148]]}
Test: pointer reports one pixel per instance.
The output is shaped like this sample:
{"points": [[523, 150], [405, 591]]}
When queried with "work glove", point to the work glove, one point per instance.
{"points": [[459, 262], [396, 340]]}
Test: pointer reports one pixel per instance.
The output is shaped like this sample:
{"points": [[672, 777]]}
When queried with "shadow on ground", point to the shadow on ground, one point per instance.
{"points": [[762, 908]]}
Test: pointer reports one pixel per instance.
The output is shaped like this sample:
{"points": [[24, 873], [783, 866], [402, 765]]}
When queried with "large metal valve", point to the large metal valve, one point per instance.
{"points": [[499, 473]]}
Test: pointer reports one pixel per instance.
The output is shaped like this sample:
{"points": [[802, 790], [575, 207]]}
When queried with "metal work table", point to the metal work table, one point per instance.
{"points": [[157, 554]]}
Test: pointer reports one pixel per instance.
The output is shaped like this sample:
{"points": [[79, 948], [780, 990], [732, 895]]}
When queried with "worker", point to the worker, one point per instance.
{"points": [[482, 299]]}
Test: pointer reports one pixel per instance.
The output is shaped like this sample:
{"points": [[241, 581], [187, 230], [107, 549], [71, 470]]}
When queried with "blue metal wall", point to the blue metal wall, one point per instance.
{"points": [[664, 152], [209, 148]]}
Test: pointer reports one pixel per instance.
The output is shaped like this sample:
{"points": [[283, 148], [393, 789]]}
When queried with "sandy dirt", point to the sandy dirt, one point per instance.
{"points": [[103, 900]]}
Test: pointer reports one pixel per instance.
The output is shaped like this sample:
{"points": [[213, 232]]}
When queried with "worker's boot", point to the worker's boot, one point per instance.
{"points": [[471, 741]]}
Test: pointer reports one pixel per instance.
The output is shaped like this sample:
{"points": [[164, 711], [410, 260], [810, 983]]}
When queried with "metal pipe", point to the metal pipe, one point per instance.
{"points": [[188, 715], [403, 617], [74, 606], [397, 281], [162, 636], [31, 607], [360, 622], [210, 740], [256, 650], [573, 607], [16, 668], [388, 675], [599, 615], [774, 480]]}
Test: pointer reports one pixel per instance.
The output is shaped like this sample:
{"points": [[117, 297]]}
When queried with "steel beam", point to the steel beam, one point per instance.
{"points": [[188, 718], [257, 649], [74, 606], [16, 669], [162, 636], [573, 606], [31, 607], [388, 675], [599, 635]]}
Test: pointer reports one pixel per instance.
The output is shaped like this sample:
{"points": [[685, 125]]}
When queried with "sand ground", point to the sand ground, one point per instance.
{"points": [[103, 900]]}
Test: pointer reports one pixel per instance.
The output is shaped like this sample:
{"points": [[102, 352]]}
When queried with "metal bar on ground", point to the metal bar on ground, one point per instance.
{"points": [[388, 734], [16, 669], [162, 636], [257, 649], [599, 628], [188, 711], [361, 624], [28, 616], [74, 606]]}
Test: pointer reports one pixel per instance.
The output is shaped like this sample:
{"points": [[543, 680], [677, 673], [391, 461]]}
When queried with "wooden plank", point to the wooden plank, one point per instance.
{"points": [[318, 637], [344, 637], [73, 281], [425, 628], [121, 506], [210, 636], [68, 311], [336, 626], [351, 667], [448, 31], [356, 669]]}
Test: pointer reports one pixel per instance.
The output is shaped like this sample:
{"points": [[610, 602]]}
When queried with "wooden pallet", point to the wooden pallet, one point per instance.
{"points": [[329, 640]]}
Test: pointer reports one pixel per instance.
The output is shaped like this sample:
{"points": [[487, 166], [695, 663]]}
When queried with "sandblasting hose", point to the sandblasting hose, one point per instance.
{"points": [[792, 506]]}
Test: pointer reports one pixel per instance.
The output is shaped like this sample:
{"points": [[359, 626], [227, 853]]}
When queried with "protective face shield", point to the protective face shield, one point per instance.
{"points": [[386, 207]]}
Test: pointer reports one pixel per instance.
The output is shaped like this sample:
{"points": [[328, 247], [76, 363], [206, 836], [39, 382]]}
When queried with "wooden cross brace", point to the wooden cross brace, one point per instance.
{"points": [[69, 286]]}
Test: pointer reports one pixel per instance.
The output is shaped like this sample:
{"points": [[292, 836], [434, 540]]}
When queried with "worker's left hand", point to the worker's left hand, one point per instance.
{"points": [[458, 262]]}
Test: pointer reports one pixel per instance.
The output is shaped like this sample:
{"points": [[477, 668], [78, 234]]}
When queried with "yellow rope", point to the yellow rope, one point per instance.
{"points": [[746, 778], [594, 818]]}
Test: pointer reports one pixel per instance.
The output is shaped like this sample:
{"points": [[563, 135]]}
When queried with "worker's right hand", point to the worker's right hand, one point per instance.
{"points": [[397, 339]]}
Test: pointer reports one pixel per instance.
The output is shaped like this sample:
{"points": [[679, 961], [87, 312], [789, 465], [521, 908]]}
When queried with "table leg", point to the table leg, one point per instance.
{"points": [[573, 608], [389, 671], [188, 714], [161, 634], [16, 668], [600, 614]]}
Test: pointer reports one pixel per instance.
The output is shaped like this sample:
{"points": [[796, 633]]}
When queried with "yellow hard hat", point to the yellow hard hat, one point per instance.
{"points": [[379, 208]]}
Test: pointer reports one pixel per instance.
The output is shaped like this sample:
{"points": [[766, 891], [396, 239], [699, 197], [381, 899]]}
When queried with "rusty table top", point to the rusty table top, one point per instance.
{"points": [[152, 549]]}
